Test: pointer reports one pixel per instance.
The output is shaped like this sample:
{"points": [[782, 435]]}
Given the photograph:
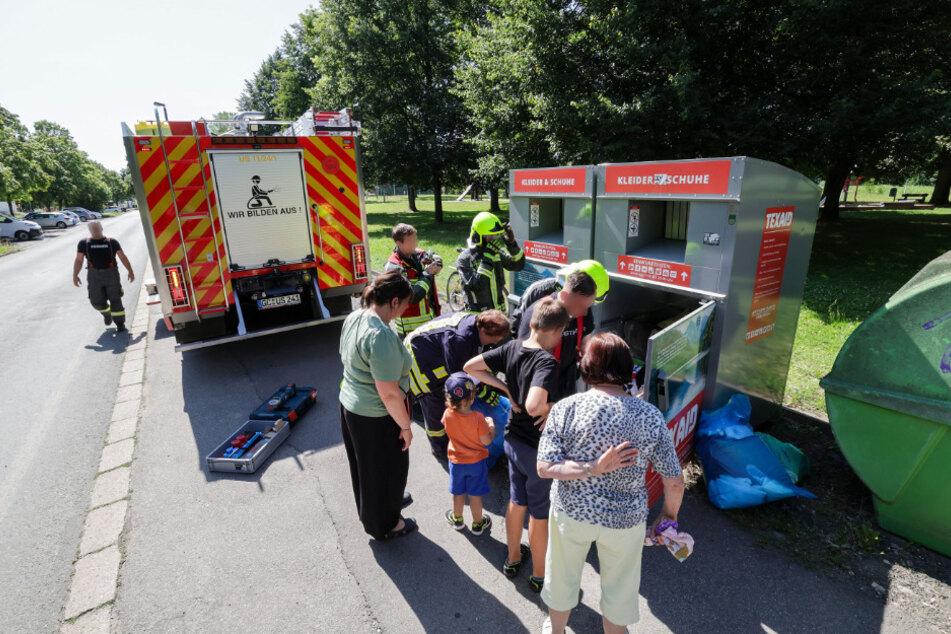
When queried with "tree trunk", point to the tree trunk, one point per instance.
{"points": [[942, 186], [494, 200], [411, 192], [11, 208], [437, 192], [835, 179]]}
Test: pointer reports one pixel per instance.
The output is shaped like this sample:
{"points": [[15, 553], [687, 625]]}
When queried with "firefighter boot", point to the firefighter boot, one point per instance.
{"points": [[119, 318]]}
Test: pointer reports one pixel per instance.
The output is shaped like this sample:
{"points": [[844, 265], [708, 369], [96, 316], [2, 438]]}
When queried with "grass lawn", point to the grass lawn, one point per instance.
{"points": [[879, 193], [441, 237], [857, 264], [5, 248]]}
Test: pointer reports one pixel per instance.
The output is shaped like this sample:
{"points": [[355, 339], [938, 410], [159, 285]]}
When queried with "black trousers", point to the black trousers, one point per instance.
{"points": [[378, 469], [434, 407], [105, 292]]}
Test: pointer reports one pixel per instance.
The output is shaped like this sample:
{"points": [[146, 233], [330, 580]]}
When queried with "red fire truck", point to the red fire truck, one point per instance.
{"points": [[252, 226]]}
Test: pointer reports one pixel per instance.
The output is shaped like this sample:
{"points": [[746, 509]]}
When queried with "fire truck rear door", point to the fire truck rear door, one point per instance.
{"points": [[263, 205]]}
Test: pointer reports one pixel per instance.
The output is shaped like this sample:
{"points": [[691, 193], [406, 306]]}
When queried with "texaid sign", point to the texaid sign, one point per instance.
{"points": [[777, 228]]}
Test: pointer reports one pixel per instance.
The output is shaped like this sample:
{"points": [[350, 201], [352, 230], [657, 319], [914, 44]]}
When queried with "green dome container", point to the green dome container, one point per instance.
{"points": [[889, 402]]}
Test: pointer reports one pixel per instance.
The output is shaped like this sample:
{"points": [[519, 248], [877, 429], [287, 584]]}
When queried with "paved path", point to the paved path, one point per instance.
{"points": [[282, 550], [58, 374]]}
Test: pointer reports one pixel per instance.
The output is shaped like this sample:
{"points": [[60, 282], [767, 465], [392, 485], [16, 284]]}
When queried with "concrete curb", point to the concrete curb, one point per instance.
{"points": [[92, 589]]}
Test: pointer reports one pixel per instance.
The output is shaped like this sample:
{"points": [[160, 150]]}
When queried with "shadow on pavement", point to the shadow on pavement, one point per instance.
{"points": [[441, 594], [114, 342], [730, 584], [222, 384]]}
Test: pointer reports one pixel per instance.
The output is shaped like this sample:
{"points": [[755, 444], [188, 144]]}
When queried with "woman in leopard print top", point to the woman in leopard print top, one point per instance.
{"points": [[597, 446]]}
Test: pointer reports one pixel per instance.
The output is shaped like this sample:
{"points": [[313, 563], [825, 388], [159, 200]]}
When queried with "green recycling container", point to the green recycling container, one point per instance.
{"points": [[889, 402]]}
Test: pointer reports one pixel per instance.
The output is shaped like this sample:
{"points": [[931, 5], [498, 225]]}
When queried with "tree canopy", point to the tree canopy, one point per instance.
{"points": [[449, 91], [46, 166]]}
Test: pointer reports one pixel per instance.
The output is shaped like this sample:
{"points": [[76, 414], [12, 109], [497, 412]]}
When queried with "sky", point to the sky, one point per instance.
{"points": [[90, 65]]}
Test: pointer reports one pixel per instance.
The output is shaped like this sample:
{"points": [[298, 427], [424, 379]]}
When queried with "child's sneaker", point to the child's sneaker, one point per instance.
{"points": [[456, 522], [511, 570], [480, 527], [536, 583]]}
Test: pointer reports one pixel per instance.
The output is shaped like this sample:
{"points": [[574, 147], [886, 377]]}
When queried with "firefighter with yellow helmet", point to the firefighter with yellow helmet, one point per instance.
{"points": [[491, 250], [579, 286]]}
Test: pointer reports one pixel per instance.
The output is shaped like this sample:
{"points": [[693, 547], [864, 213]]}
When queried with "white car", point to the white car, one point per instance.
{"points": [[18, 229], [111, 210], [50, 219]]}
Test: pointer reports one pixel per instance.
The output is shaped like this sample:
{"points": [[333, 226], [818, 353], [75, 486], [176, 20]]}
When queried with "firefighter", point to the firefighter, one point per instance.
{"points": [[102, 277], [420, 268], [441, 348], [483, 263], [579, 286]]}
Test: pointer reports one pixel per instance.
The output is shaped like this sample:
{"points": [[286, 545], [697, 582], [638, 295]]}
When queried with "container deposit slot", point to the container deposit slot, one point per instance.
{"points": [[657, 229], [546, 220]]}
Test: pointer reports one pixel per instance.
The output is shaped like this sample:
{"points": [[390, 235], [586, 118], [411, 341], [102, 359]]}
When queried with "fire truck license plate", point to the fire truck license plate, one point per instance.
{"points": [[277, 302]]}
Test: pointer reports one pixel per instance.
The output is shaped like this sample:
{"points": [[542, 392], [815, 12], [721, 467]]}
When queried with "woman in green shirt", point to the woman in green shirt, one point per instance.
{"points": [[374, 417]]}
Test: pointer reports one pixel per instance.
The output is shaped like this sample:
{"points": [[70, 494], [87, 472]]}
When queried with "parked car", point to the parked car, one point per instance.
{"points": [[83, 213], [72, 215], [49, 219], [111, 210], [18, 229]]}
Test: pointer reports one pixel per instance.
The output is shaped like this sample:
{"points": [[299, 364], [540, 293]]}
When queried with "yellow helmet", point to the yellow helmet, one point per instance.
{"points": [[485, 225], [597, 272]]}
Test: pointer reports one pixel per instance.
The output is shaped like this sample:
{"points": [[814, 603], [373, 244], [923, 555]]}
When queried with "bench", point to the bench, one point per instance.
{"points": [[919, 197]]}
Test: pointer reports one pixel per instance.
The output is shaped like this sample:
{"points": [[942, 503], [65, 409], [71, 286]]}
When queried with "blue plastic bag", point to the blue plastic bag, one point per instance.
{"points": [[500, 416], [739, 468]]}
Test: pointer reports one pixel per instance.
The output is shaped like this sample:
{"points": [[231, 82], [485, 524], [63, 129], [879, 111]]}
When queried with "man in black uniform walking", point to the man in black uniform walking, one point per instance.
{"points": [[105, 287]]}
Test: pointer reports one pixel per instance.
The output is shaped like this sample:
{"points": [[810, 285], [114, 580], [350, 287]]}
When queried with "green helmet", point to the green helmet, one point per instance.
{"points": [[485, 225], [597, 272]]}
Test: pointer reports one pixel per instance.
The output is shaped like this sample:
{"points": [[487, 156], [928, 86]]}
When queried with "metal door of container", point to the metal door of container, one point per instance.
{"points": [[677, 360]]}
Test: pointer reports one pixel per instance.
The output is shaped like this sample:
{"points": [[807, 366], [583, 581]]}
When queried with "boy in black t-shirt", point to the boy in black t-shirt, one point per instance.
{"points": [[530, 377]]}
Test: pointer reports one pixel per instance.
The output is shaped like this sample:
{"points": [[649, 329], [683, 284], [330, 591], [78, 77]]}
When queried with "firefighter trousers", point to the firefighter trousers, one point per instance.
{"points": [[434, 406], [105, 292]]}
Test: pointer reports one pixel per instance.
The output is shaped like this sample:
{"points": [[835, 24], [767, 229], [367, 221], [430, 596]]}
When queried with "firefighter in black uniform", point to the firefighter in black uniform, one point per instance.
{"points": [[102, 278]]}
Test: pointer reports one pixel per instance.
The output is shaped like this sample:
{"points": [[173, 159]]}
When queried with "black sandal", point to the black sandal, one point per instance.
{"points": [[409, 525]]}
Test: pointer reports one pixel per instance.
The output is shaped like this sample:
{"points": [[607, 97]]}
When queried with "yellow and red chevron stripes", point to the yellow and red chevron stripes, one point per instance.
{"points": [[202, 247], [330, 168]]}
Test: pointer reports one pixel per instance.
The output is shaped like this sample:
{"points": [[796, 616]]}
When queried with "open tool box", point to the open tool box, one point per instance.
{"points": [[253, 451], [290, 403], [252, 443]]}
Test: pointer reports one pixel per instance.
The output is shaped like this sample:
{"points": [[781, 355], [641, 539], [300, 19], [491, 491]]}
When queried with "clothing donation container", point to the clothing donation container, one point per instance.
{"points": [[551, 211], [707, 260]]}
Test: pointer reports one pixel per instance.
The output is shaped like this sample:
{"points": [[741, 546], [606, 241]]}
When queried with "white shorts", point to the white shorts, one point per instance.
{"points": [[619, 557]]}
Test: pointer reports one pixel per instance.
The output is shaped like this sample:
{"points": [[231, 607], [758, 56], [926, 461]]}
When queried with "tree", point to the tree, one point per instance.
{"points": [[605, 81], [395, 59], [942, 185], [62, 160], [296, 71], [21, 171], [260, 92], [220, 128]]}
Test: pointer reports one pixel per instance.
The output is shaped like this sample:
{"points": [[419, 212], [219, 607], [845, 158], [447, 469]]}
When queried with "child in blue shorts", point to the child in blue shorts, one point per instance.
{"points": [[469, 432]]}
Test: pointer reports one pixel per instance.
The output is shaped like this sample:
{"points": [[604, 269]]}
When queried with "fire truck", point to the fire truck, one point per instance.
{"points": [[253, 226]]}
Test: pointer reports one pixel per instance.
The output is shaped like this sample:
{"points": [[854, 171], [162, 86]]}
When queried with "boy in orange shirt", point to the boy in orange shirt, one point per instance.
{"points": [[469, 432]]}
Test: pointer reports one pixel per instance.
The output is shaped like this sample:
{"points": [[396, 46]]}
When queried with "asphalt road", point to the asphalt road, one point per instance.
{"points": [[59, 367], [282, 550]]}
